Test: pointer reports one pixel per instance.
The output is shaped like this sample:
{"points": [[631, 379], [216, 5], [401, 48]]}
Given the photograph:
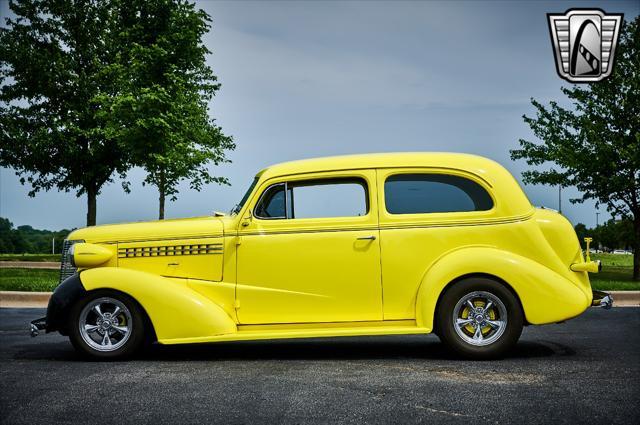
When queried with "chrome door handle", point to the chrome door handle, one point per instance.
{"points": [[367, 238]]}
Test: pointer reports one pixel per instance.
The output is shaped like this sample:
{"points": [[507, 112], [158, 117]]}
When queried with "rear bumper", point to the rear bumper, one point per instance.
{"points": [[602, 299]]}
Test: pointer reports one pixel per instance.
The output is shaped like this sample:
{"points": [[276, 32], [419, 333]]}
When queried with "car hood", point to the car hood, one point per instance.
{"points": [[182, 228]]}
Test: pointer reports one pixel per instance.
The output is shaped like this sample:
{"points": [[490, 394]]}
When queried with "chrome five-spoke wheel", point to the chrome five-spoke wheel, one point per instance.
{"points": [[480, 318], [105, 324]]}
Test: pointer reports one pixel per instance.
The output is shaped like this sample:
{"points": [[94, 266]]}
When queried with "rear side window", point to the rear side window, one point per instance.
{"points": [[434, 193]]}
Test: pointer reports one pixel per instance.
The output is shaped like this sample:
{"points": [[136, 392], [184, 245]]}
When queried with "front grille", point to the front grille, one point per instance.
{"points": [[66, 269]]}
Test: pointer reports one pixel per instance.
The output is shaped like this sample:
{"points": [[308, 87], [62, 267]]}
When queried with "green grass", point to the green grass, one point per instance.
{"points": [[617, 260], [36, 280], [616, 274], [615, 279], [30, 257]]}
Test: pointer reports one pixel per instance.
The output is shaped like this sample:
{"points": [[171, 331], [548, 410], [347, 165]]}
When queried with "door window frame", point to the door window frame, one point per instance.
{"points": [[366, 177], [289, 205], [264, 193]]}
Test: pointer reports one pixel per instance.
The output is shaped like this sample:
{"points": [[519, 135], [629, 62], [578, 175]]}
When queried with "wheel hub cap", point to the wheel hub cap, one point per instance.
{"points": [[480, 318], [105, 324]]}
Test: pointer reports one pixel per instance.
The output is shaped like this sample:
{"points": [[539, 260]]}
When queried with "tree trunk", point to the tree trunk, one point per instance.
{"points": [[92, 194], [161, 189], [636, 246]]}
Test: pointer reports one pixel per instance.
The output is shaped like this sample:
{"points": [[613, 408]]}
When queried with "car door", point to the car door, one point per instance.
{"points": [[309, 251]]}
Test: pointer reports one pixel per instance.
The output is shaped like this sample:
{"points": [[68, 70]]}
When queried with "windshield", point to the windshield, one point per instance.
{"points": [[243, 201]]}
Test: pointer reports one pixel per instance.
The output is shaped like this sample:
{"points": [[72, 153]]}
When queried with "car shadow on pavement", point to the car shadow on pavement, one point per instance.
{"points": [[336, 349], [348, 348]]}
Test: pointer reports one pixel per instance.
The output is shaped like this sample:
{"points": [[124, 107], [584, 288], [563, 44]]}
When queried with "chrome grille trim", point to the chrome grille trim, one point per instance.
{"points": [[66, 269]]}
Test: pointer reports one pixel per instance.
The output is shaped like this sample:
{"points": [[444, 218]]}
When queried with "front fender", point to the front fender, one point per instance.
{"points": [[61, 302], [176, 311], [546, 296]]}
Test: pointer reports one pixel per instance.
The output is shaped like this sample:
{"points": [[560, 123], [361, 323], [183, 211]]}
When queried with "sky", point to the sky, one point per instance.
{"points": [[307, 79]]}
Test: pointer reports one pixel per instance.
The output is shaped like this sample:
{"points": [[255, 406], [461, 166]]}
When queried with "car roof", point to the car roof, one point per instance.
{"points": [[379, 160], [512, 200], [472, 163]]}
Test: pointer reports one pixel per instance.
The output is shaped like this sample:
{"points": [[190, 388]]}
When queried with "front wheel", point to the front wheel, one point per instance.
{"points": [[106, 325], [479, 318]]}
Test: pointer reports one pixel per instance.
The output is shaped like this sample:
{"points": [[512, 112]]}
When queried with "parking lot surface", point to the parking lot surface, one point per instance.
{"points": [[585, 370]]}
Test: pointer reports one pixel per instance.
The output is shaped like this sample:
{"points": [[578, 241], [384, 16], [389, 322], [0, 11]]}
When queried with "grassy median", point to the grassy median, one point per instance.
{"points": [[30, 257], [37, 280], [615, 276]]}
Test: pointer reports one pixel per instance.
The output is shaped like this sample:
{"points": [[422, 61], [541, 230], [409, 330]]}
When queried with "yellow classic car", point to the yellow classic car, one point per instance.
{"points": [[378, 244]]}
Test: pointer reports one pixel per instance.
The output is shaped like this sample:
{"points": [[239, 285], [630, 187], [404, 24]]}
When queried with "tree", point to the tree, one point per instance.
{"points": [[58, 84], [582, 232], [164, 113], [596, 143]]}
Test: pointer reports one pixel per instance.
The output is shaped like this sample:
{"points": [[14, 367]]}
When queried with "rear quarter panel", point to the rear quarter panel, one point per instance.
{"points": [[423, 253]]}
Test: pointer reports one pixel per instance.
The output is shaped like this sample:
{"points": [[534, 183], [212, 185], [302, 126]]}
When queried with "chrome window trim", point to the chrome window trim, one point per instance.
{"points": [[262, 195], [288, 207]]}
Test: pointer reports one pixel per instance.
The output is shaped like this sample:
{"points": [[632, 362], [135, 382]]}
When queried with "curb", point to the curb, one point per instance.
{"points": [[17, 299], [625, 298], [51, 265]]}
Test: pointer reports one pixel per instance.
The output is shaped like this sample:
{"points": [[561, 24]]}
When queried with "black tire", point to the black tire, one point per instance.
{"points": [[499, 339], [134, 321]]}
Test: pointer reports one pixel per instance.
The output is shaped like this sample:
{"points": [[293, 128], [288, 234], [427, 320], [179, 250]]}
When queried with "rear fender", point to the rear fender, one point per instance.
{"points": [[176, 311], [545, 296]]}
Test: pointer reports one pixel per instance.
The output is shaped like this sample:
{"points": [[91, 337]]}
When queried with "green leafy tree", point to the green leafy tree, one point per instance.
{"points": [[90, 88], [26, 239], [595, 145], [164, 113], [582, 232], [57, 89], [615, 234]]}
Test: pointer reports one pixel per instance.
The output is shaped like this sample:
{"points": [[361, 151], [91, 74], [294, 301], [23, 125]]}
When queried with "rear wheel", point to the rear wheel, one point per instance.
{"points": [[106, 325], [479, 318]]}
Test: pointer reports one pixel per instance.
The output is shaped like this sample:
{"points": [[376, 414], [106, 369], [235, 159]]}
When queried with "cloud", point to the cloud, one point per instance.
{"points": [[304, 79]]}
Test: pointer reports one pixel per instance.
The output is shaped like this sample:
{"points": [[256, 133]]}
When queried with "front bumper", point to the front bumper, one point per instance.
{"points": [[38, 325], [59, 308], [602, 299]]}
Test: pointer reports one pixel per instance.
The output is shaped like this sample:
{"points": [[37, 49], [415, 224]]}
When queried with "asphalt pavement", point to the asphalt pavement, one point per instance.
{"points": [[585, 370]]}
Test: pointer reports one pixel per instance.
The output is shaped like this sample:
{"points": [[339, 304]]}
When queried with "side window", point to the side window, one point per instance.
{"points": [[272, 203], [434, 193], [329, 198], [314, 199]]}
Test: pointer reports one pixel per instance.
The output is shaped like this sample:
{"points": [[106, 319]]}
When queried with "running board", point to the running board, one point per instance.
{"points": [[306, 330]]}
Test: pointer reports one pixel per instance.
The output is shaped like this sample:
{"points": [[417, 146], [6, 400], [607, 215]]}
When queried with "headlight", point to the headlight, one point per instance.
{"points": [[85, 255]]}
